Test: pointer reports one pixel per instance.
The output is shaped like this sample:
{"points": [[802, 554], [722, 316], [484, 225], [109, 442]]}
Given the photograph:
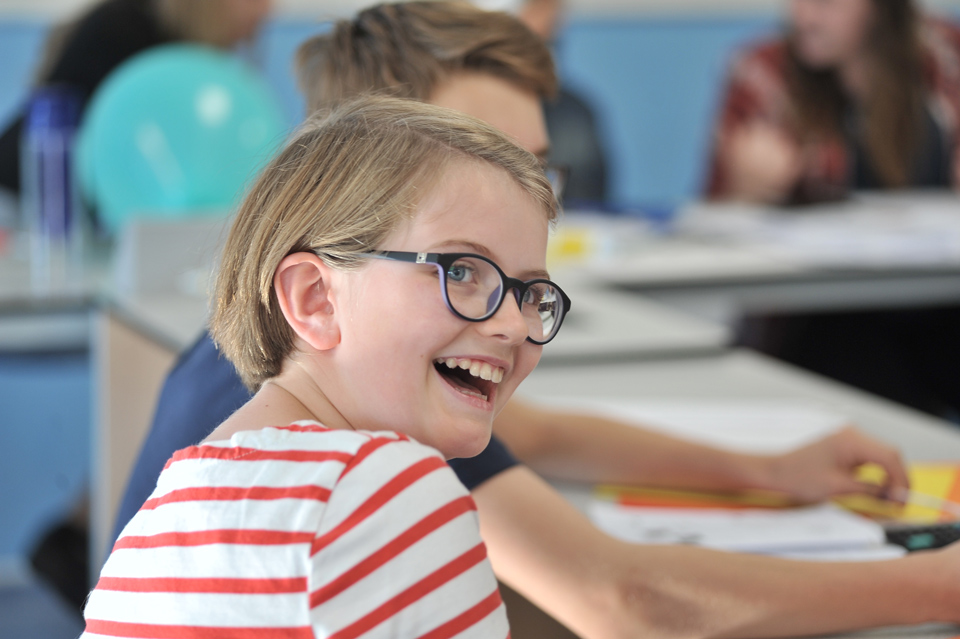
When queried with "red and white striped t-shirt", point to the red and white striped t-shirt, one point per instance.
{"points": [[301, 531]]}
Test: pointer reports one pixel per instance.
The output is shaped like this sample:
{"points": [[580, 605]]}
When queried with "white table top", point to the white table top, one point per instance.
{"points": [[34, 320], [721, 260], [606, 324], [743, 374]]}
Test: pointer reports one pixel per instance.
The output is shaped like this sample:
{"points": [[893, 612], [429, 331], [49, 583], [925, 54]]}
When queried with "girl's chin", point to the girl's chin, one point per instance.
{"points": [[466, 444]]}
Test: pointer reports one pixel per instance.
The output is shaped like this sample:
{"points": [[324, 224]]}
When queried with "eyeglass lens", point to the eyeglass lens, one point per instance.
{"points": [[474, 289]]}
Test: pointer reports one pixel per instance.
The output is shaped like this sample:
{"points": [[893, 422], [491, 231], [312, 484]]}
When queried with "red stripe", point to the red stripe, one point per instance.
{"points": [[415, 533], [463, 621], [158, 631], [365, 451], [387, 492], [414, 593], [304, 428], [212, 585], [228, 493], [206, 537], [256, 454]]}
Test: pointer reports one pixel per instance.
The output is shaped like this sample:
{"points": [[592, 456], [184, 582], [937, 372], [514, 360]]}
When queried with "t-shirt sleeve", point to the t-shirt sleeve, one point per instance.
{"points": [[494, 459], [398, 552]]}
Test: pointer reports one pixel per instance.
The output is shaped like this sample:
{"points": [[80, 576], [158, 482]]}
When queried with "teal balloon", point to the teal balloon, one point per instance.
{"points": [[176, 131]]}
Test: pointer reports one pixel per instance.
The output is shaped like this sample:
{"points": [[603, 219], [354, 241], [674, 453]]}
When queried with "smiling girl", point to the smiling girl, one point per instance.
{"points": [[384, 289]]}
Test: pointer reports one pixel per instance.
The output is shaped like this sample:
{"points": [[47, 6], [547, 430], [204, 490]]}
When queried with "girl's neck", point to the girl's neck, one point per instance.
{"points": [[290, 397]]}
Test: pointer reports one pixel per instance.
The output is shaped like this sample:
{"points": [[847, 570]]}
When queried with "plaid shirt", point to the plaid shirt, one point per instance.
{"points": [[757, 92]]}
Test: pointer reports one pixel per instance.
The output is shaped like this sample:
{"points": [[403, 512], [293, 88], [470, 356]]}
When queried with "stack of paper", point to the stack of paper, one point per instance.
{"points": [[872, 233]]}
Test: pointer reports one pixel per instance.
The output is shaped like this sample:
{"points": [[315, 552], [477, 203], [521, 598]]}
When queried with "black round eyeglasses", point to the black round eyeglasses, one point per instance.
{"points": [[474, 288]]}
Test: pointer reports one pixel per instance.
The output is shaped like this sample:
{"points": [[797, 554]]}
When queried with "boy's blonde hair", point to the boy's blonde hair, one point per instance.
{"points": [[408, 48], [338, 188]]}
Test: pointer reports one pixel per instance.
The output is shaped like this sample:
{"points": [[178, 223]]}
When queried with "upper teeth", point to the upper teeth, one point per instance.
{"points": [[483, 370]]}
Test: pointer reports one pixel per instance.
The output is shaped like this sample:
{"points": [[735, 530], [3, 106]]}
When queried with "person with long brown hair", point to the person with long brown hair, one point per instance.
{"points": [[82, 52], [857, 94]]}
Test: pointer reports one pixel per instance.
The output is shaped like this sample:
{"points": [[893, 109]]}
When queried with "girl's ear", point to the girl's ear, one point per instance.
{"points": [[302, 284]]}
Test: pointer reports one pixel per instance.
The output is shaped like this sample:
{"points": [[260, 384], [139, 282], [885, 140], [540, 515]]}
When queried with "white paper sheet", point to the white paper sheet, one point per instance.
{"points": [[865, 553], [814, 528]]}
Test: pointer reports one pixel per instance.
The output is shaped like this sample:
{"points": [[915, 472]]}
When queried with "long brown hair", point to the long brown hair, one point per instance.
{"points": [[893, 129]]}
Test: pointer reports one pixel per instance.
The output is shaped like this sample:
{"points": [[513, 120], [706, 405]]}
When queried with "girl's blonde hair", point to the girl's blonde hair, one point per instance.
{"points": [[340, 186]]}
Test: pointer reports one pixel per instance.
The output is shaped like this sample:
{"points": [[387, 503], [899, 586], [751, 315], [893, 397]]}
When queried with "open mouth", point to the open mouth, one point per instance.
{"points": [[469, 376]]}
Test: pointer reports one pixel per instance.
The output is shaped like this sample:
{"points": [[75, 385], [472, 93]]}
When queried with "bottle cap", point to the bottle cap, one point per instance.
{"points": [[54, 107]]}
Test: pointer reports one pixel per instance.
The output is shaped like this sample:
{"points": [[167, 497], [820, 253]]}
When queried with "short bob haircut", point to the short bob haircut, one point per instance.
{"points": [[339, 187], [408, 48]]}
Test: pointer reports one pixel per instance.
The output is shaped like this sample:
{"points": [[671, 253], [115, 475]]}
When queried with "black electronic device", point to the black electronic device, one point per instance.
{"points": [[923, 536]]}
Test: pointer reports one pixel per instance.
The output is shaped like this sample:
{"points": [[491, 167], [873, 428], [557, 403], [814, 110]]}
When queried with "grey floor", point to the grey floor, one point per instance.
{"points": [[31, 610]]}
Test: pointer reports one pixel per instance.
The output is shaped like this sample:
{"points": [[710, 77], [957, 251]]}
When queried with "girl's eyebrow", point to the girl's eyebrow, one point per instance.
{"points": [[480, 249], [472, 247]]}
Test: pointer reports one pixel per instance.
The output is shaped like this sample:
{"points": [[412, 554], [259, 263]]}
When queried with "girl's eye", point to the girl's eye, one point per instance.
{"points": [[460, 272], [534, 294]]}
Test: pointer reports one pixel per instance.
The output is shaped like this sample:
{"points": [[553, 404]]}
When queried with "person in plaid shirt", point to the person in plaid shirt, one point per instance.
{"points": [[857, 94]]}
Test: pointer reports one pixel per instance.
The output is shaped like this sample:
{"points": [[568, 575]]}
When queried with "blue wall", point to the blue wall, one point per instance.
{"points": [[20, 45], [44, 443], [653, 82]]}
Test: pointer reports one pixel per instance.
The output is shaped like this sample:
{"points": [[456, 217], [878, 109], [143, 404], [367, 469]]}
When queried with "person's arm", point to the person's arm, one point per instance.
{"points": [[605, 589], [590, 448]]}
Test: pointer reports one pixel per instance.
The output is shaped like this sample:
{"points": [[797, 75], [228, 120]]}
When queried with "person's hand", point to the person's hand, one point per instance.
{"points": [[828, 467], [763, 163]]}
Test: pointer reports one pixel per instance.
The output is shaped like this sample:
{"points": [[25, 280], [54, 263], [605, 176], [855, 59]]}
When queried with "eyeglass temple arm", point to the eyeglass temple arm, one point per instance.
{"points": [[406, 256]]}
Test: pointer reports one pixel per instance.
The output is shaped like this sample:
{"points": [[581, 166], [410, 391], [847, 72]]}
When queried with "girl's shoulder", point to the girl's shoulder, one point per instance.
{"points": [[306, 441]]}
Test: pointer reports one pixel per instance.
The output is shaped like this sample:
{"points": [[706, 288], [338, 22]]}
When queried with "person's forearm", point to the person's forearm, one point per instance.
{"points": [[746, 596], [605, 589], [592, 449]]}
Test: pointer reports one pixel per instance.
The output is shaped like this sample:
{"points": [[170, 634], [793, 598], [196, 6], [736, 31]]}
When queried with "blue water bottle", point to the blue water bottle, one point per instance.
{"points": [[49, 198]]}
